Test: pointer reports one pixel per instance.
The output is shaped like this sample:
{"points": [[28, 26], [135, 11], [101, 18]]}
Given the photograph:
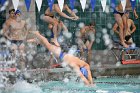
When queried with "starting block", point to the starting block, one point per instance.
{"points": [[129, 55], [131, 62]]}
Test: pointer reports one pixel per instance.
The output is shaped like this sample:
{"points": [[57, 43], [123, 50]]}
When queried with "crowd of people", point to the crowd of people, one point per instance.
{"points": [[16, 30]]}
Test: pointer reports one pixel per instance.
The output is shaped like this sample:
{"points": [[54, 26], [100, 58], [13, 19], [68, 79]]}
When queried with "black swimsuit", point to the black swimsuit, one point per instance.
{"points": [[17, 42], [117, 12]]}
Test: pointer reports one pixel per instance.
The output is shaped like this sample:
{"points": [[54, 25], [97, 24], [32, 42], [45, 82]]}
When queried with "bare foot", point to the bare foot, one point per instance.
{"points": [[124, 45]]}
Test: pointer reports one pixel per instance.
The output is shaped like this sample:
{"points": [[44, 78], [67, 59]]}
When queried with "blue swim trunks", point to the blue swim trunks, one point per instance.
{"points": [[84, 72]]}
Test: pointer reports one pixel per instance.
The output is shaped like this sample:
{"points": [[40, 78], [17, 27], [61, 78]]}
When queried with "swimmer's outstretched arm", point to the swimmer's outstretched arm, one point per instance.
{"points": [[77, 70]]}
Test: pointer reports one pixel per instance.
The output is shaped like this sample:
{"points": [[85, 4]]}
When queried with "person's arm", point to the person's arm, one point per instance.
{"points": [[71, 12], [80, 36], [5, 30], [133, 27], [26, 29], [92, 39], [135, 14], [90, 45], [115, 28], [57, 9]]}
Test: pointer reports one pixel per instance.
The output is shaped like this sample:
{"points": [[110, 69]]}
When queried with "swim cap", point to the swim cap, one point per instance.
{"points": [[17, 11]]}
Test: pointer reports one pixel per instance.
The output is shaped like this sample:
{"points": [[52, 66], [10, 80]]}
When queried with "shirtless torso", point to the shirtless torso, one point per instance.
{"points": [[130, 24], [16, 30]]}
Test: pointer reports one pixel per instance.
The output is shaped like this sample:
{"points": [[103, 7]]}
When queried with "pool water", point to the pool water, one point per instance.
{"points": [[116, 84]]}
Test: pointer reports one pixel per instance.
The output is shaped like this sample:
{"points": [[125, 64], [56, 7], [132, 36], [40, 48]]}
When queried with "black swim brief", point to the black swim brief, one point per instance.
{"points": [[17, 42]]}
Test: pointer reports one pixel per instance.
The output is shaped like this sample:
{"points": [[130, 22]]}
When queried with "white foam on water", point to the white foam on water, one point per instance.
{"points": [[102, 91], [24, 87], [72, 50], [29, 57], [66, 80], [125, 92], [1, 86]]}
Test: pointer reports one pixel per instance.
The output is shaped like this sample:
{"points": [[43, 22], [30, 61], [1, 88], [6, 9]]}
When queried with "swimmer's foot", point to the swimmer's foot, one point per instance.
{"points": [[124, 45]]}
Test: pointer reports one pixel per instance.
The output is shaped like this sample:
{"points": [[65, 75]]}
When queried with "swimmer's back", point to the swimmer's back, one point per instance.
{"points": [[73, 61]]}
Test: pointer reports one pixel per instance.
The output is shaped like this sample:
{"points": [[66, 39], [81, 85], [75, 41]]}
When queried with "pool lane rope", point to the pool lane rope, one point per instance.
{"points": [[133, 83]]}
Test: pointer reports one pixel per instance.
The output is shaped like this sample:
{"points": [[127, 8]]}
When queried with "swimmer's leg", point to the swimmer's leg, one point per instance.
{"points": [[52, 48], [119, 21], [54, 29]]}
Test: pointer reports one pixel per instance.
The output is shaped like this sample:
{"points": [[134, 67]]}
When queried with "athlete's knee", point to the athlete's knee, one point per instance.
{"points": [[50, 26]]}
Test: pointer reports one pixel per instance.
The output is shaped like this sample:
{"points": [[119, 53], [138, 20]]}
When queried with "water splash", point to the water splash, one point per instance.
{"points": [[24, 87], [72, 50], [81, 24]]}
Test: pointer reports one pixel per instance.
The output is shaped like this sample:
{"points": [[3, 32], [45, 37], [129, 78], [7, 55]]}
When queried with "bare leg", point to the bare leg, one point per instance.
{"points": [[119, 21], [54, 49], [89, 52], [82, 54], [124, 18], [55, 27], [63, 26], [59, 27]]}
